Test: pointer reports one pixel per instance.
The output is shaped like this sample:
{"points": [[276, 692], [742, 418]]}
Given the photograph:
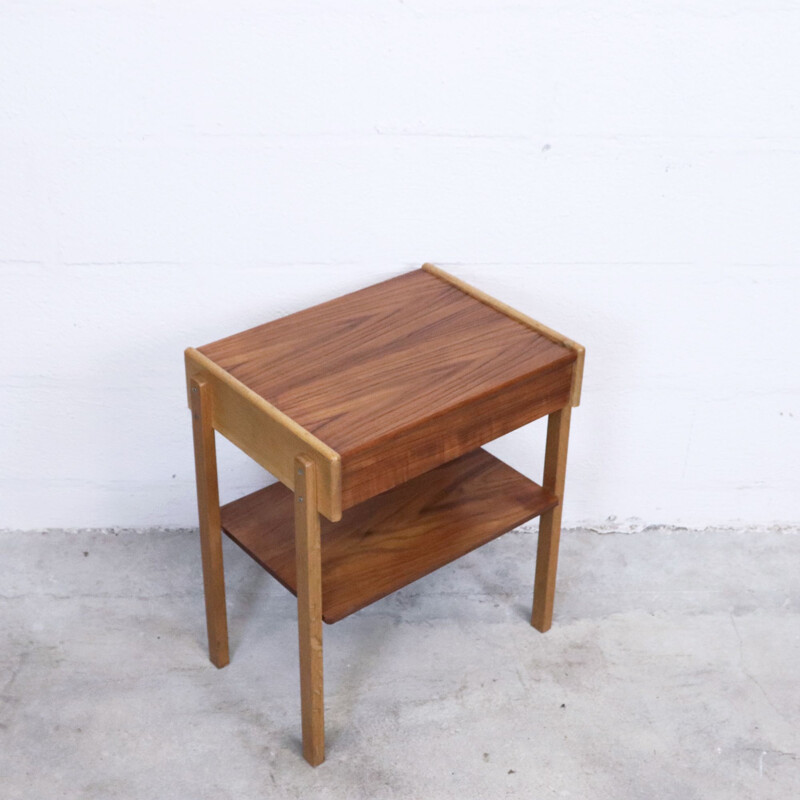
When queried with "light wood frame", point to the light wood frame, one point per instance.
{"points": [[308, 555], [312, 470], [555, 469], [205, 458], [266, 434]]}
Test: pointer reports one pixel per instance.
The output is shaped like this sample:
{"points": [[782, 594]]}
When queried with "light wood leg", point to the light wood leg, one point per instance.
{"points": [[205, 460], [309, 608], [555, 468]]}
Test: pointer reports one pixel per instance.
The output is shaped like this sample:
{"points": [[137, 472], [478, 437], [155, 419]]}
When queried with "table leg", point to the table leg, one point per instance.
{"points": [[555, 467], [205, 459], [309, 608]]}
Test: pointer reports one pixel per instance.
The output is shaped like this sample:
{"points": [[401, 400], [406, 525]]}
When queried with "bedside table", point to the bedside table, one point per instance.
{"points": [[371, 410]]}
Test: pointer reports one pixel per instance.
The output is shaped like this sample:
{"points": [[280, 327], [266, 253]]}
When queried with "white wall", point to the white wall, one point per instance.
{"points": [[627, 172]]}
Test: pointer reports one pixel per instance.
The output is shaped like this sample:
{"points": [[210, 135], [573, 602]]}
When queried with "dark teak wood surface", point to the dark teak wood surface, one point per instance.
{"points": [[395, 538], [400, 377]]}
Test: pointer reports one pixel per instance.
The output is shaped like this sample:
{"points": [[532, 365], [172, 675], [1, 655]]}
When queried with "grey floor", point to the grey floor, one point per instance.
{"points": [[671, 671]]}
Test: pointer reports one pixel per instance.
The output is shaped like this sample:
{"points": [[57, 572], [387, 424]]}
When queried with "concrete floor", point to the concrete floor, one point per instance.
{"points": [[671, 671]]}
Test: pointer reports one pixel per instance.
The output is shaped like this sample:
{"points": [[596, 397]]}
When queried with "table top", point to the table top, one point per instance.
{"points": [[400, 376]]}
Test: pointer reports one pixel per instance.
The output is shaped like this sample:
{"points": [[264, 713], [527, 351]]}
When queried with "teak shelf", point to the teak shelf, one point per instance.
{"points": [[371, 410], [392, 539]]}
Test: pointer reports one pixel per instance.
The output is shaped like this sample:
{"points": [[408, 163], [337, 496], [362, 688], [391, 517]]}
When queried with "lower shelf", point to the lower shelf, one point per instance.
{"points": [[389, 541]]}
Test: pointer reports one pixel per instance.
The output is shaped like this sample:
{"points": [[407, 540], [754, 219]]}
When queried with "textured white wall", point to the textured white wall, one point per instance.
{"points": [[627, 172]]}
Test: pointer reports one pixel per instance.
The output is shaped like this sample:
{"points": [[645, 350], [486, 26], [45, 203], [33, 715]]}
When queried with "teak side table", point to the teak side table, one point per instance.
{"points": [[371, 410]]}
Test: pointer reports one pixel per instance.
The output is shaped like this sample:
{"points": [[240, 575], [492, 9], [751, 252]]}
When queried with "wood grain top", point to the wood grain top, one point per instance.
{"points": [[395, 538], [372, 364]]}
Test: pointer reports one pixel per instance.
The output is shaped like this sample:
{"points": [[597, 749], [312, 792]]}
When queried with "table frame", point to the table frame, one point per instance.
{"points": [[312, 471]]}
